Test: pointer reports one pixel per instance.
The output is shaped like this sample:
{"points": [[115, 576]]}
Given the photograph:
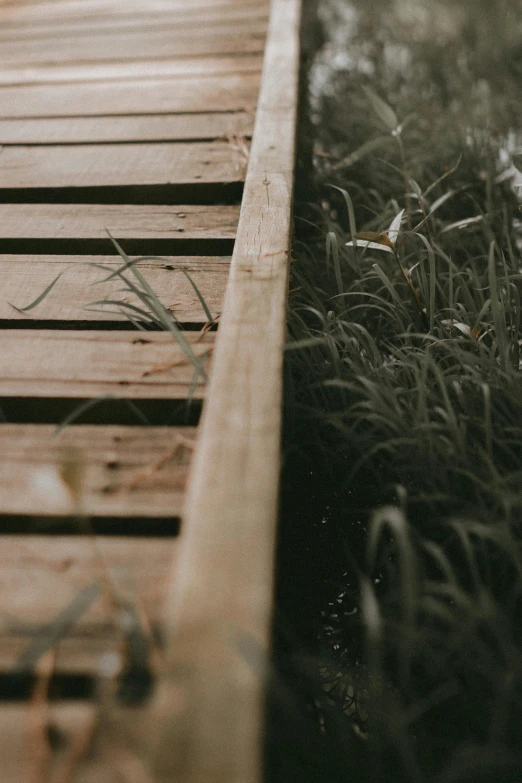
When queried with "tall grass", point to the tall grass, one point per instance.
{"points": [[401, 563]]}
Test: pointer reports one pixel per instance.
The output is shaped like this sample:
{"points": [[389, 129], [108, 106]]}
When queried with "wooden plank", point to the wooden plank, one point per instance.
{"points": [[187, 67], [147, 127], [126, 222], [87, 743], [81, 654], [44, 11], [88, 13], [243, 16], [73, 723], [115, 466], [25, 277], [209, 725], [146, 96], [120, 165], [72, 364], [41, 575], [133, 46]]}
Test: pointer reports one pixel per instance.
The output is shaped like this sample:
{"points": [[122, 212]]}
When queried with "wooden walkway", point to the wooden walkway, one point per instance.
{"points": [[129, 653]]}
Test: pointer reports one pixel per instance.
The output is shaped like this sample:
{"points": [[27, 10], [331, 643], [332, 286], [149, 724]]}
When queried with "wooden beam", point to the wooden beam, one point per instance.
{"points": [[209, 710]]}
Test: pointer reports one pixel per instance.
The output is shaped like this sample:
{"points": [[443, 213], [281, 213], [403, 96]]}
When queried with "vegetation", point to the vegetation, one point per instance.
{"points": [[400, 556]]}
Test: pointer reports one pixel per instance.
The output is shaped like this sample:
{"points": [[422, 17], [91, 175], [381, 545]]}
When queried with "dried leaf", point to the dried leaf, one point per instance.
{"points": [[388, 248], [395, 227], [144, 474], [464, 328], [165, 366], [381, 237]]}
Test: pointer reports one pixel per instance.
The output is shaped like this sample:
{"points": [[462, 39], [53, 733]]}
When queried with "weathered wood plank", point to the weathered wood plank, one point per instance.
{"points": [[79, 654], [233, 490], [44, 11], [90, 745], [41, 575], [145, 96], [133, 46], [25, 277], [124, 221], [121, 472], [120, 165], [147, 127], [145, 69], [20, 732], [72, 364], [241, 15]]}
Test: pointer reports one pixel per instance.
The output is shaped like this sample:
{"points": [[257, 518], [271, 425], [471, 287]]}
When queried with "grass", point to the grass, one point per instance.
{"points": [[144, 312], [400, 555], [150, 313]]}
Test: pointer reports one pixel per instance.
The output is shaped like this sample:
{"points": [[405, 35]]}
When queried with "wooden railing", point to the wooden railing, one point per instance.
{"points": [[219, 609]]}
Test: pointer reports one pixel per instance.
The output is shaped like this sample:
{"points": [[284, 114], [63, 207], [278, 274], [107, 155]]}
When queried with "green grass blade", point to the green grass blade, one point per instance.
{"points": [[41, 296], [210, 317], [332, 251], [497, 310]]}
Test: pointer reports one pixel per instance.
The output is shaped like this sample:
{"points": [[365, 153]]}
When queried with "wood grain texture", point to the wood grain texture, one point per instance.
{"points": [[176, 19], [146, 127], [40, 576], [122, 472], [25, 277], [18, 726], [91, 744], [124, 221], [143, 96], [219, 627], [210, 18], [184, 68], [72, 364], [134, 45], [120, 165], [15, 12]]}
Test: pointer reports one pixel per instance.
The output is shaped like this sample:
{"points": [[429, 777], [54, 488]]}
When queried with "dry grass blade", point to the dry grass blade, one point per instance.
{"points": [[144, 474]]}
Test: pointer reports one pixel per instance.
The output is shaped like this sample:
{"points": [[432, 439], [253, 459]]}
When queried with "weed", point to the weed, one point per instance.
{"points": [[402, 506]]}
